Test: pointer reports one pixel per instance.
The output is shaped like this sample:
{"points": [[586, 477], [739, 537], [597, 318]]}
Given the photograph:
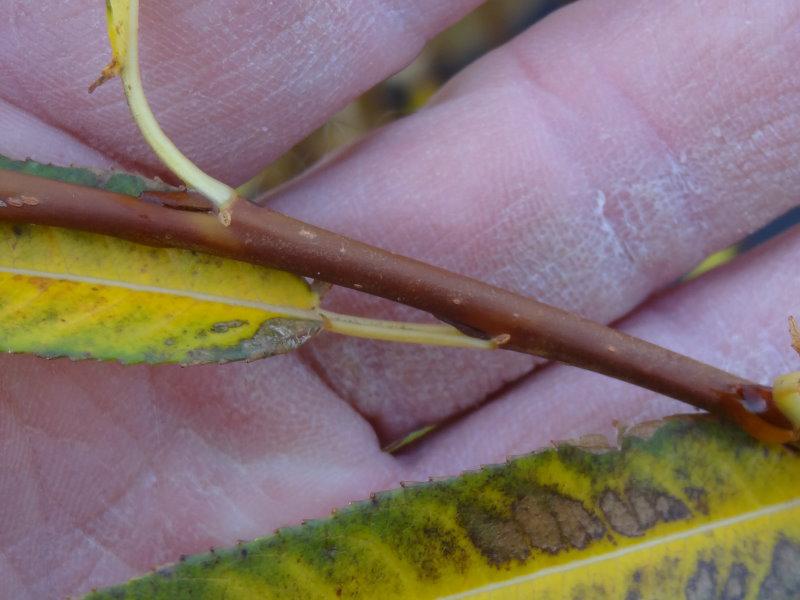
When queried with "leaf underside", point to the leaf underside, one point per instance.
{"points": [[694, 509], [72, 294]]}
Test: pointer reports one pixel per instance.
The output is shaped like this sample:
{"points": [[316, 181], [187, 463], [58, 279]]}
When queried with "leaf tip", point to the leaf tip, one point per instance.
{"points": [[109, 72]]}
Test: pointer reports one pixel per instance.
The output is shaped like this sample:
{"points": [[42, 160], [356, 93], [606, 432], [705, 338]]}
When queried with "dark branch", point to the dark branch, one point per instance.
{"points": [[261, 236]]}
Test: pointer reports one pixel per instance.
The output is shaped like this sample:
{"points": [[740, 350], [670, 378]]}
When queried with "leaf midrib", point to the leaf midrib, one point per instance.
{"points": [[148, 289]]}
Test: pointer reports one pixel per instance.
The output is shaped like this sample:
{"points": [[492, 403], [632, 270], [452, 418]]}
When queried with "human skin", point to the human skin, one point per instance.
{"points": [[587, 163]]}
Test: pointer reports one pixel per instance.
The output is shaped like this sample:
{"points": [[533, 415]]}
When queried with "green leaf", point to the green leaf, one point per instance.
{"points": [[693, 508], [79, 295], [111, 180]]}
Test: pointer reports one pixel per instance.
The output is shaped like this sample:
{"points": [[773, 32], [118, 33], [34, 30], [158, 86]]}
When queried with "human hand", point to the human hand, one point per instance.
{"points": [[588, 163]]}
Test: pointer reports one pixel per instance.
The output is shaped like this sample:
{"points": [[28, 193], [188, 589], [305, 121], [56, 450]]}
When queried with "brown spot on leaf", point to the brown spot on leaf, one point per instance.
{"points": [[783, 580], [702, 585], [619, 515], [536, 519], [225, 326], [275, 336], [555, 522], [41, 283], [736, 584], [651, 507], [578, 525], [641, 509], [644, 508], [499, 540]]}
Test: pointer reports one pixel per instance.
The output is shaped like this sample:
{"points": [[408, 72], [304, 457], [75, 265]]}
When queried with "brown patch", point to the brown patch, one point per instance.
{"points": [[555, 522], [579, 526], [641, 509], [41, 283], [534, 516], [499, 540], [274, 336], [702, 584], [644, 508], [651, 507], [783, 580], [619, 515], [225, 326], [736, 584]]}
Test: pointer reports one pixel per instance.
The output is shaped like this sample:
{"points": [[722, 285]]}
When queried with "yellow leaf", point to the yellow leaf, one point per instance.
{"points": [[690, 509], [118, 21], [79, 295]]}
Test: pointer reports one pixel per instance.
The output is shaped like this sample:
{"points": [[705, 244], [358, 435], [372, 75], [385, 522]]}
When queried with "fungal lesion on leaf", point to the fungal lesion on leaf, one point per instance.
{"points": [[226, 326], [274, 336], [640, 508]]}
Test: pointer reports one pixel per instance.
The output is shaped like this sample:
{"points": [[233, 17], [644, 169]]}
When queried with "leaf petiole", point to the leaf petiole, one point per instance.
{"points": [[409, 333], [123, 30]]}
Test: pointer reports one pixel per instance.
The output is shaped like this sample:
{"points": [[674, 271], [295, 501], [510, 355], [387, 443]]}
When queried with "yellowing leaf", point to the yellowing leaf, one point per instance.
{"points": [[79, 295], [695, 509], [118, 21]]}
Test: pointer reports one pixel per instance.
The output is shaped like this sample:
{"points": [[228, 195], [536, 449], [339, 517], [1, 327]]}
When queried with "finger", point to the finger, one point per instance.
{"points": [[588, 163], [734, 318], [235, 83], [110, 471], [23, 135]]}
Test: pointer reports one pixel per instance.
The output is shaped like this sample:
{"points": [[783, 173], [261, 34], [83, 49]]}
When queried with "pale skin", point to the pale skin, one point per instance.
{"points": [[588, 163]]}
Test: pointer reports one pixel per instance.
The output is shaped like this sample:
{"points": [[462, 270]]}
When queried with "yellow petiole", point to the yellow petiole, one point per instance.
{"points": [[123, 30], [409, 333]]}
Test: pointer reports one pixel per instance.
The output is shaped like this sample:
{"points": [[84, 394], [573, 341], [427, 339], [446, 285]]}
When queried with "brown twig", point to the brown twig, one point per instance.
{"points": [[262, 236]]}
